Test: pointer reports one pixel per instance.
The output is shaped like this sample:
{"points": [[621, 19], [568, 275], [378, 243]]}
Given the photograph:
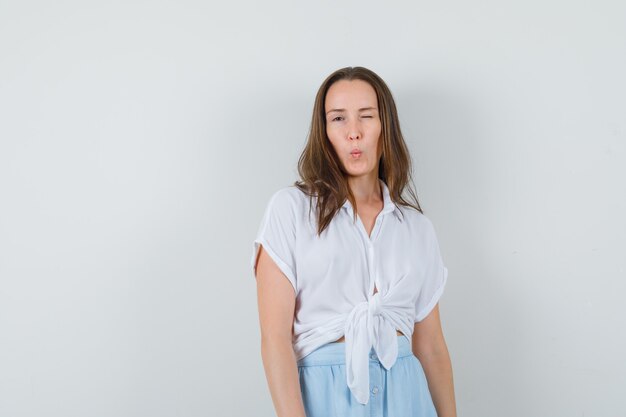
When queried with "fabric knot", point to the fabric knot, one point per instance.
{"points": [[374, 306], [371, 324]]}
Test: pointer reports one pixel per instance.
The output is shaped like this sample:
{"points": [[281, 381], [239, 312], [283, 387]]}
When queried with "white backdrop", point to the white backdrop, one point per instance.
{"points": [[140, 141]]}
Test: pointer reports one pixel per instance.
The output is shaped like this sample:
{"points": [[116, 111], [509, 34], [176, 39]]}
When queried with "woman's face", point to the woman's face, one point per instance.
{"points": [[353, 124]]}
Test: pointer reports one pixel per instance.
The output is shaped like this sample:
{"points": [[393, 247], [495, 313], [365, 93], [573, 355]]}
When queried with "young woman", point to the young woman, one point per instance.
{"points": [[349, 274]]}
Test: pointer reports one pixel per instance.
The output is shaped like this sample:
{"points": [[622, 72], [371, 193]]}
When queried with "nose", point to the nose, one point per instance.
{"points": [[354, 131]]}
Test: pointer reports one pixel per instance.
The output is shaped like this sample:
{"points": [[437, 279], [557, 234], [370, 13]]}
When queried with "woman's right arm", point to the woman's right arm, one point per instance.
{"points": [[276, 302]]}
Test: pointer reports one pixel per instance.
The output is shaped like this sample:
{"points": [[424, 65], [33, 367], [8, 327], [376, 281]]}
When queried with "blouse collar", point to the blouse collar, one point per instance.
{"points": [[388, 204]]}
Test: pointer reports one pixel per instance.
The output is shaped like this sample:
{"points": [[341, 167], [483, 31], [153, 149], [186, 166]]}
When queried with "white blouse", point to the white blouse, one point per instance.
{"points": [[333, 277]]}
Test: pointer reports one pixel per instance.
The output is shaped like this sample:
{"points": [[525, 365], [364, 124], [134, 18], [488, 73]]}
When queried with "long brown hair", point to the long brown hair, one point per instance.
{"points": [[319, 166]]}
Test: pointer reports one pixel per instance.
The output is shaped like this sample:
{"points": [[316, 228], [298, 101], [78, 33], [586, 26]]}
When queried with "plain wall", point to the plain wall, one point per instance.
{"points": [[140, 141]]}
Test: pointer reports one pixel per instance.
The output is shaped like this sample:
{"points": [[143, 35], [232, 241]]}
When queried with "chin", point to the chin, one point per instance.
{"points": [[358, 173]]}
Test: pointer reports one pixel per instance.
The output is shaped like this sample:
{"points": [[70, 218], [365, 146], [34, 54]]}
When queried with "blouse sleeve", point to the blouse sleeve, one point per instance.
{"points": [[435, 274], [277, 234]]}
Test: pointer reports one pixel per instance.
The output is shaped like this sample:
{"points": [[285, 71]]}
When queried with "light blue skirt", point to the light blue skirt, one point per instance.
{"points": [[401, 391]]}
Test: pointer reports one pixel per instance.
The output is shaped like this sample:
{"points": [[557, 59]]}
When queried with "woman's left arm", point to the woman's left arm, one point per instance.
{"points": [[429, 345]]}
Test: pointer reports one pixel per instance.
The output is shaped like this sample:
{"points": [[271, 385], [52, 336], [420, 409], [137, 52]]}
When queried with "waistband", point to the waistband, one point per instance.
{"points": [[334, 353]]}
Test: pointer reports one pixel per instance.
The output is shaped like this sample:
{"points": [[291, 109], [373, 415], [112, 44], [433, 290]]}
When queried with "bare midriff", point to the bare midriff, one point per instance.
{"points": [[343, 339]]}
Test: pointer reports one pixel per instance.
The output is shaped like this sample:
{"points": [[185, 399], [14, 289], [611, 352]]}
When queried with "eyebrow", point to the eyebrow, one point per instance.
{"points": [[361, 109]]}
